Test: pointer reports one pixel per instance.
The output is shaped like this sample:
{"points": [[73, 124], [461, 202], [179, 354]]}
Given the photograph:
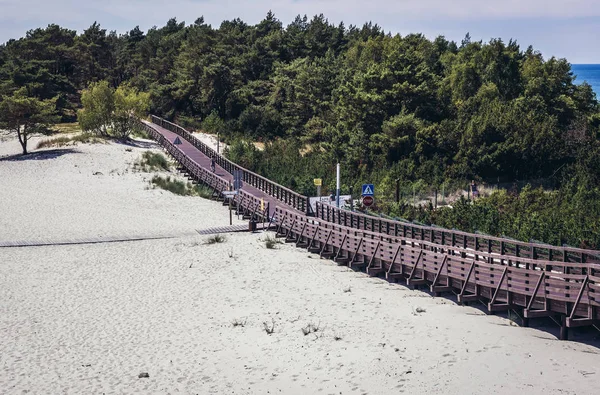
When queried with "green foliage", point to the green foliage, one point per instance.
{"points": [[44, 62], [152, 161], [174, 186], [98, 108], [387, 107], [107, 111], [181, 188], [26, 116], [203, 191], [213, 124], [567, 216]]}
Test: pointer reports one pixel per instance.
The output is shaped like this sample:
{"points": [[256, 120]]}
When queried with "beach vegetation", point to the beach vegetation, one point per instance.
{"points": [[112, 112], [271, 241], [62, 141], [216, 239], [25, 116], [238, 322], [311, 328], [181, 188], [418, 117], [152, 161], [269, 327]]}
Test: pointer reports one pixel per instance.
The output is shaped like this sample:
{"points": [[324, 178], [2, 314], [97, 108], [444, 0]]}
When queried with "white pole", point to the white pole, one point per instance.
{"points": [[337, 190], [218, 143]]}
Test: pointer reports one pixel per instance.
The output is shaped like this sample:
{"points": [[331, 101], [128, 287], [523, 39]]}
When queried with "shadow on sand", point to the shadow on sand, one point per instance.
{"points": [[146, 144], [39, 155]]}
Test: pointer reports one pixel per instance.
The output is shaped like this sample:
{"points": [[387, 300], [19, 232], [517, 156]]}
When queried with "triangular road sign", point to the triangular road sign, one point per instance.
{"points": [[177, 141], [367, 190]]}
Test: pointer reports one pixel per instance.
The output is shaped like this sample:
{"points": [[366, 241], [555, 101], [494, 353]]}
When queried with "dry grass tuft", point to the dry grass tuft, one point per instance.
{"points": [[216, 239], [311, 328], [238, 322], [271, 241], [63, 141], [269, 327]]}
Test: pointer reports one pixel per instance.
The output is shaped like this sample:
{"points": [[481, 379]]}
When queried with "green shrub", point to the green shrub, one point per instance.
{"points": [[141, 133], [203, 191], [181, 188], [174, 186], [152, 161]]}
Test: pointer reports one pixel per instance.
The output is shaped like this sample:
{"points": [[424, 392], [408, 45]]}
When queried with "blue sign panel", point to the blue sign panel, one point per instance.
{"points": [[368, 190]]}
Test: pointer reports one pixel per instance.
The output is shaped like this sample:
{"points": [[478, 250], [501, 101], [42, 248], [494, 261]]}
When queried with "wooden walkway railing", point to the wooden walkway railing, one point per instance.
{"points": [[249, 204], [455, 238], [570, 291], [279, 192], [542, 280]]}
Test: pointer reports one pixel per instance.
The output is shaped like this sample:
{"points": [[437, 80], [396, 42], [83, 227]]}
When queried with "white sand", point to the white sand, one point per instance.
{"points": [[61, 198], [90, 318], [210, 140]]}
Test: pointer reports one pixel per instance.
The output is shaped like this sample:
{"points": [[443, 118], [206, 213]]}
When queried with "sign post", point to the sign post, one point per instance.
{"points": [[337, 186], [238, 176], [230, 195], [368, 190], [318, 182]]}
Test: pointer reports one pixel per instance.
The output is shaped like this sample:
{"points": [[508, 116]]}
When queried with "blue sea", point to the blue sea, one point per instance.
{"points": [[589, 73]]}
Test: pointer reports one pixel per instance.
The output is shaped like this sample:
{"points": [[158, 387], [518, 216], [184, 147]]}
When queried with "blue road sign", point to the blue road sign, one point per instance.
{"points": [[368, 190]]}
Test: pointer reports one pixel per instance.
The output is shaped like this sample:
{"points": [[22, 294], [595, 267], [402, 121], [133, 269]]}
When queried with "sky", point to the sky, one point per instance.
{"points": [[563, 28]]}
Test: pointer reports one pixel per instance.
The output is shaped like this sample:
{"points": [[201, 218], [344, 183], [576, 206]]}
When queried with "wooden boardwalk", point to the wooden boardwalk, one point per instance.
{"points": [[200, 158], [536, 280]]}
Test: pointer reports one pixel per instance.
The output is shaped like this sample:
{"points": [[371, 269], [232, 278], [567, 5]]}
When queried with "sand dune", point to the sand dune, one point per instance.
{"points": [[91, 318]]}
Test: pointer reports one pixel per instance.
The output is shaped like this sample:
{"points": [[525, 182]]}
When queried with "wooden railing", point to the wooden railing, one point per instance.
{"points": [[540, 287], [455, 238], [244, 201], [279, 192], [539, 279]]}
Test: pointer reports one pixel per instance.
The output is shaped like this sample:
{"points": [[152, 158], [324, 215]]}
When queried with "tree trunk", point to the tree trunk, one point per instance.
{"points": [[22, 139]]}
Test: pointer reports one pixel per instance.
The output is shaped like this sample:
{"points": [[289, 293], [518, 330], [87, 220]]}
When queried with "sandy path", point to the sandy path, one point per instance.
{"points": [[89, 319]]}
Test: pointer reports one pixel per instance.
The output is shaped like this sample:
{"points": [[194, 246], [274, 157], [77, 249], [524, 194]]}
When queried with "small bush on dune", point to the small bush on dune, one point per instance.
{"points": [[141, 133], [271, 242], [174, 186], [216, 239], [152, 161], [180, 187], [203, 191]]}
